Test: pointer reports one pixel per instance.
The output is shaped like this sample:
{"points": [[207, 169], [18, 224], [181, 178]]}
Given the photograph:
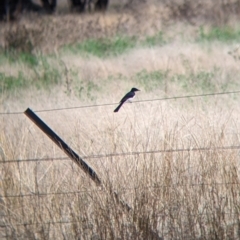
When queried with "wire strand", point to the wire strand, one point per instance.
{"points": [[34, 194], [138, 101], [123, 154], [74, 222]]}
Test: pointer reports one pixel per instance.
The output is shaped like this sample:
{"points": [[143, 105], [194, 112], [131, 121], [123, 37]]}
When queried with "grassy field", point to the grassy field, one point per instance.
{"points": [[174, 161]]}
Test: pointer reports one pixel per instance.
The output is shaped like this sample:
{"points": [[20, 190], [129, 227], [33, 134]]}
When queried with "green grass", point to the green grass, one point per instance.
{"points": [[104, 47], [85, 90], [157, 39], [202, 80], [8, 82], [151, 80], [44, 71], [114, 46], [26, 58], [205, 81], [40, 74], [47, 74], [224, 34]]}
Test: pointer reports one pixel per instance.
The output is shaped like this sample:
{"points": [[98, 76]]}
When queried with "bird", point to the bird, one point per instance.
{"points": [[130, 95]]}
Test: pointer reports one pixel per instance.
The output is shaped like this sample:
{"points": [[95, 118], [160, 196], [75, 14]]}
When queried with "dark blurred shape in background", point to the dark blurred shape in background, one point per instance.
{"points": [[10, 9]]}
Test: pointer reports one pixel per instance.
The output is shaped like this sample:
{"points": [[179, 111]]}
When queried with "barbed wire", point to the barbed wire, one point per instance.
{"points": [[116, 154], [33, 194], [122, 190], [138, 101], [123, 154], [74, 222], [41, 223]]}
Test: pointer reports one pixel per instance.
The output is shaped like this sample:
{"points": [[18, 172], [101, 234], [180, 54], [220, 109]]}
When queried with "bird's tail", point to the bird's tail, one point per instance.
{"points": [[119, 106]]}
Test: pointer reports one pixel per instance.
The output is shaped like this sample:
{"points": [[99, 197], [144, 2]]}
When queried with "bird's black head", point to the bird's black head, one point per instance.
{"points": [[134, 90]]}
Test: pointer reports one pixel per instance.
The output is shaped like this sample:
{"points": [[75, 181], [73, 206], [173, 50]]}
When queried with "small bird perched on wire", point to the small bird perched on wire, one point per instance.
{"points": [[128, 97]]}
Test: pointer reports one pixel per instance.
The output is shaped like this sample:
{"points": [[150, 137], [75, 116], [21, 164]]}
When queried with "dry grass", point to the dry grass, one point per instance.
{"points": [[182, 63], [48, 33], [190, 194], [178, 195], [77, 28]]}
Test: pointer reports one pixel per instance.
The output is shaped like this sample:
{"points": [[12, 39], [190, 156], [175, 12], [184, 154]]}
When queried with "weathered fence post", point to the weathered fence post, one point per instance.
{"points": [[60, 143], [88, 170]]}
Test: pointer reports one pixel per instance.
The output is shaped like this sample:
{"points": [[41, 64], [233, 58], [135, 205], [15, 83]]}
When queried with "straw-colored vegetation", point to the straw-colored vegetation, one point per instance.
{"points": [[175, 162]]}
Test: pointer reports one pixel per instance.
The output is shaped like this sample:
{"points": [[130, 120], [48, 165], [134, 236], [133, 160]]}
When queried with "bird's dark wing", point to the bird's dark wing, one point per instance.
{"points": [[127, 96]]}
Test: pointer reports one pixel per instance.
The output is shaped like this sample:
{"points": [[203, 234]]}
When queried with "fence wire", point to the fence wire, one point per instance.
{"points": [[113, 155], [138, 101], [122, 190], [122, 154]]}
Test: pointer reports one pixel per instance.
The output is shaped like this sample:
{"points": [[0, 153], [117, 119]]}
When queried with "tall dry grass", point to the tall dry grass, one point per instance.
{"points": [[174, 195], [189, 194]]}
